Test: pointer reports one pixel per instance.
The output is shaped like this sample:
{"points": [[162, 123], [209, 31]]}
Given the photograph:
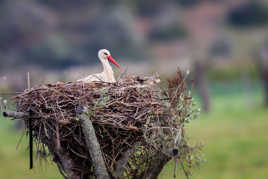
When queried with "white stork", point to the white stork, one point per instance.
{"points": [[107, 75]]}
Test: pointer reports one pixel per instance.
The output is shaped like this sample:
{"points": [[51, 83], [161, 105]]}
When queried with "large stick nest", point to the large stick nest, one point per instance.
{"points": [[129, 115]]}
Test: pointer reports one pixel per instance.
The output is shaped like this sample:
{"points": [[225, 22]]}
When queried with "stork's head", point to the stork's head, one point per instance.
{"points": [[105, 55]]}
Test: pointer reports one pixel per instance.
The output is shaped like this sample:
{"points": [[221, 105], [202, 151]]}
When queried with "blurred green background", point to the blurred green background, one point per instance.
{"points": [[224, 43]]}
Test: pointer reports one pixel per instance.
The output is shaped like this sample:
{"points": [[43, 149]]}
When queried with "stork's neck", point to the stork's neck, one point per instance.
{"points": [[108, 71]]}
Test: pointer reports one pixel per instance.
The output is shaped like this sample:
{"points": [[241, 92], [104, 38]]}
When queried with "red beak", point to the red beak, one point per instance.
{"points": [[111, 59]]}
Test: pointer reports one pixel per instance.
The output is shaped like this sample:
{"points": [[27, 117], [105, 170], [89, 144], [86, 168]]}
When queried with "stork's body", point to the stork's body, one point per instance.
{"points": [[107, 75]]}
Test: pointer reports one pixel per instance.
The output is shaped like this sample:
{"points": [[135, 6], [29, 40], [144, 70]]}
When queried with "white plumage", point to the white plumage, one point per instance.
{"points": [[107, 75]]}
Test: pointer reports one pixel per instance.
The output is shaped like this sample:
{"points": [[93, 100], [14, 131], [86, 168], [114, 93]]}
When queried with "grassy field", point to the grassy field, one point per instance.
{"points": [[234, 134], [235, 137]]}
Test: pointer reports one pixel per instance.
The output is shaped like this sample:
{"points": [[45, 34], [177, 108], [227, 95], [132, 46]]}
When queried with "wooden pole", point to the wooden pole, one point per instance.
{"points": [[28, 81], [31, 138], [30, 126]]}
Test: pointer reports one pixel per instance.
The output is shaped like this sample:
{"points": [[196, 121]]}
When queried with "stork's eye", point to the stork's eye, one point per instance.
{"points": [[105, 53]]}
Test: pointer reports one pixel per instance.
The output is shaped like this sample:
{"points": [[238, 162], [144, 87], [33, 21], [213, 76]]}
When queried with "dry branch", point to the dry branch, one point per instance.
{"points": [[93, 147], [121, 163], [157, 166], [14, 114], [65, 164]]}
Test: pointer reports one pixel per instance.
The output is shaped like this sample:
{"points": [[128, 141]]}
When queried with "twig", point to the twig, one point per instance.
{"points": [[175, 167], [178, 137], [122, 74], [184, 170], [28, 81], [57, 142]]}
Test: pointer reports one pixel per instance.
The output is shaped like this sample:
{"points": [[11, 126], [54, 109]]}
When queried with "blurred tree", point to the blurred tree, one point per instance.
{"points": [[203, 22], [23, 25], [116, 32], [202, 84], [67, 5], [63, 4], [250, 14], [188, 3], [221, 48], [61, 34], [167, 33], [253, 16], [262, 62], [151, 8], [52, 53], [203, 27]]}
